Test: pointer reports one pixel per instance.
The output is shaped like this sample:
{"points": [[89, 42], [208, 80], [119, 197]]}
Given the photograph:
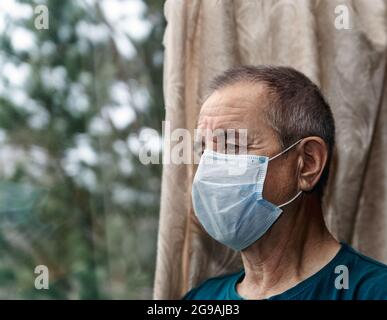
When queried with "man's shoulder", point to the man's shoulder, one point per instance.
{"points": [[365, 263], [369, 276], [213, 288]]}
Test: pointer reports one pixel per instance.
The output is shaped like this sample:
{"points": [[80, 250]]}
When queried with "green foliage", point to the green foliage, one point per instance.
{"points": [[73, 194]]}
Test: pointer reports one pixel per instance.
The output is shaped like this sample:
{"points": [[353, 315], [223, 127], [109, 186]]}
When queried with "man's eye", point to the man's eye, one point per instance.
{"points": [[199, 147]]}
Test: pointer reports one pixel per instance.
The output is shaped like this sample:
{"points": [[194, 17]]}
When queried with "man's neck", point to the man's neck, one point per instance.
{"points": [[296, 247]]}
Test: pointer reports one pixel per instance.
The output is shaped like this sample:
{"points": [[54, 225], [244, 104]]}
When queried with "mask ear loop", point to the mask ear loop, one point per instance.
{"points": [[291, 200], [286, 150], [281, 153]]}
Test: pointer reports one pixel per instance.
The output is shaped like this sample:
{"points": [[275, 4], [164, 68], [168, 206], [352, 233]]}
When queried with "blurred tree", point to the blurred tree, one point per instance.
{"points": [[77, 101]]}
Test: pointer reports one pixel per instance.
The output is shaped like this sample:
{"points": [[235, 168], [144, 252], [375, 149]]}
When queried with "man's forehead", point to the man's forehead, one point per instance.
{"points": [[247, 94], [230, 107], [237, 106]]}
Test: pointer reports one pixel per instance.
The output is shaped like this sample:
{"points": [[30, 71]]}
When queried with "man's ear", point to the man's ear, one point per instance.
{"points": [[313, 157]]}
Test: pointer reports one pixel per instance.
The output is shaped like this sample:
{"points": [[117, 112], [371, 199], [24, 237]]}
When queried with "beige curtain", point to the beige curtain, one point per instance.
{"points": [[203, 38]]}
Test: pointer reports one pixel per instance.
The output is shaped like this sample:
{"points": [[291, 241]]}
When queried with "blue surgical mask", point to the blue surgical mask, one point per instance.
{"points": [[227, 197]]}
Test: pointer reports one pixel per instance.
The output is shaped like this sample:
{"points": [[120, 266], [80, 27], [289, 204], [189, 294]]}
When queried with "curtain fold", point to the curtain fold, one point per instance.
{"points": [[204, 38]]}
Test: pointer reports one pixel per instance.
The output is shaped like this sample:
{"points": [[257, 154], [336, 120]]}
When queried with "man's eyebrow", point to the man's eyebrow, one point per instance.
{"points": [[228, 133]]}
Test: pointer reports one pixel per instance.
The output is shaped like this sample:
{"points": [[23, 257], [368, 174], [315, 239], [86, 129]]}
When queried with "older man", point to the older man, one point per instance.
{"points": [[271, 211]]}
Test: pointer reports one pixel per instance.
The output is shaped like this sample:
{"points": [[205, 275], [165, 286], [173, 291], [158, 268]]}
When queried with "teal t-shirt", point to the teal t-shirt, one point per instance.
{"points": [[367, 280]]}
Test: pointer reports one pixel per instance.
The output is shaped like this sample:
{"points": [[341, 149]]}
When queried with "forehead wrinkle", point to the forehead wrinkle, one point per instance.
{"points": [[226, 108], [232, 104], [226, 122], [244, 108]]}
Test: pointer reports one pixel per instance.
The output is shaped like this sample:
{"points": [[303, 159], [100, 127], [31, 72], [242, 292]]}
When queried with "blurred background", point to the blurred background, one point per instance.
{"points": [[77, 101]]}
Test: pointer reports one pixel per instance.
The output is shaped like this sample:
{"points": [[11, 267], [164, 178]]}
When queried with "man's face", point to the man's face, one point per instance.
{"points": [[243, 106]]}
